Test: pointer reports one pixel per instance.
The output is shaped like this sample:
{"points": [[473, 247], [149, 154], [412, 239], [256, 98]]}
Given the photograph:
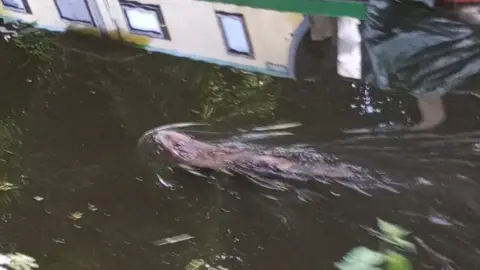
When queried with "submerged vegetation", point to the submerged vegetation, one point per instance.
{"points": [[36, 44], [9, 142], [9, 132]]}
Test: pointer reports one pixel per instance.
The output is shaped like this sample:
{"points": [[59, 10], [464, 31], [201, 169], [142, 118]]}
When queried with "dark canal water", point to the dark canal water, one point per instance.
{"points": [[69, 128]]}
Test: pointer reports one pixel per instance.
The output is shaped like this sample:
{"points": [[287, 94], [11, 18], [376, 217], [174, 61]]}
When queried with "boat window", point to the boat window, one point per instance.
{"points": [[17, 5], [235, 34], [75, 11], [144, 19]]}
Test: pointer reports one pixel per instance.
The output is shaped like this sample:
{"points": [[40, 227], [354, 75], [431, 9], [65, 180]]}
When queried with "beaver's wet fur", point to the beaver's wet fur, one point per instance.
{"points": [[189, 151]]}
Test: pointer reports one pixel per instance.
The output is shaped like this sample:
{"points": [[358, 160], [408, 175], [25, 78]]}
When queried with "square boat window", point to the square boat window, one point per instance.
{"points": [[75, 11], [235, 34], [17, 5], [143, 19]]}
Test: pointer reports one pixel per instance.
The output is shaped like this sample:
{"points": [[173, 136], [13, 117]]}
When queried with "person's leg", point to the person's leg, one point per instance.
{"points": [[432, 111]]}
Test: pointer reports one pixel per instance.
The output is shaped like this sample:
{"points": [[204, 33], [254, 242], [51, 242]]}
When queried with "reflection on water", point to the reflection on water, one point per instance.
{"points": [[69, 130]]}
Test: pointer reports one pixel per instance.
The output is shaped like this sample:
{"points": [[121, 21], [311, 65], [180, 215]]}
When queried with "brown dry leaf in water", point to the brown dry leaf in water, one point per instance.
{"points": [[59, 240], [173, 239], [92, 207]]}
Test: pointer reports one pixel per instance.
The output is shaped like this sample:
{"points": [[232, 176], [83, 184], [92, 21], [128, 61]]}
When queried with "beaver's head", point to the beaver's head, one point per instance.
{"points": [[179, 145], [173, 142]]}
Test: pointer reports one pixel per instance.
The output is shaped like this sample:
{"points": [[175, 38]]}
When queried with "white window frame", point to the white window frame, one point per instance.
{"points": [[231, 51], [162, 34], [89, 23], [25, 9]]}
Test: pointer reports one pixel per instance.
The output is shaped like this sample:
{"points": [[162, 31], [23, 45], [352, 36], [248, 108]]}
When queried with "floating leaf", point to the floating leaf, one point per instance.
{"points": [[391, 230], [6, 186], [396, 261], [365, 255], [195, 264], [38, 198], [20, 261], [278, 126], [361, 258], [406, 245], [4, 260], [92, 207], [399, 242], [173, 239], [344, 265], [76, 215], [59, 240]]}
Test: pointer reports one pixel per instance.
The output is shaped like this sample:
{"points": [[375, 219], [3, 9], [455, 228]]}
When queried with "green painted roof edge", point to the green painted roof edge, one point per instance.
{"points": [[333, 8]]}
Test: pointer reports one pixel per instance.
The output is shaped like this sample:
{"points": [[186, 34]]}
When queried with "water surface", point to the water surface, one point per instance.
{"points": [[70, 124]]}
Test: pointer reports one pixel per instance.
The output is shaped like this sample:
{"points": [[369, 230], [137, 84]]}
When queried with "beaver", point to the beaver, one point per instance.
{"points": [[188, 151]]}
